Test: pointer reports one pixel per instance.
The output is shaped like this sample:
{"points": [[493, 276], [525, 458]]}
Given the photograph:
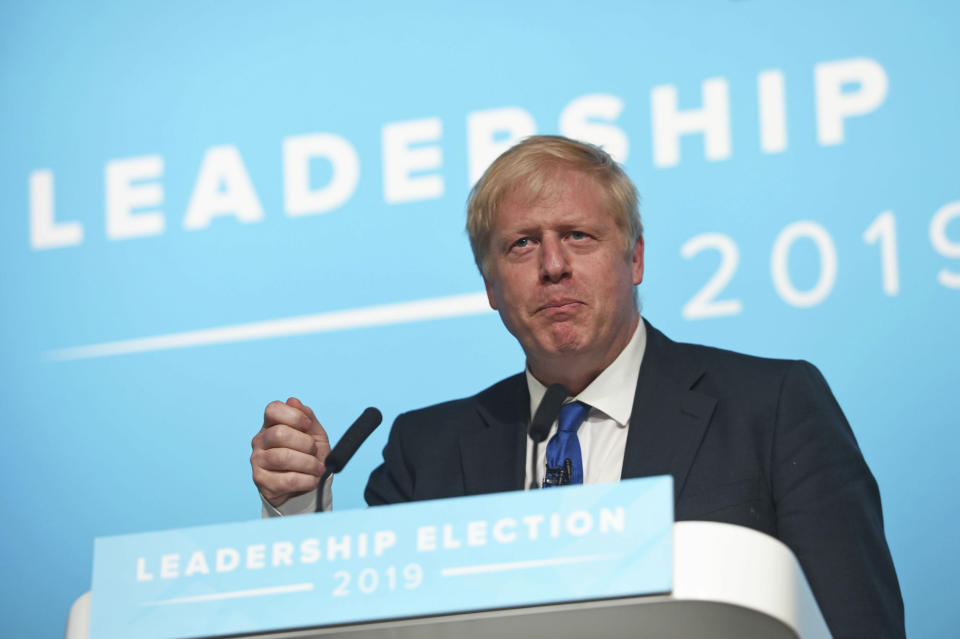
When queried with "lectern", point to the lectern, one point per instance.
{"points": [[721, 580]]}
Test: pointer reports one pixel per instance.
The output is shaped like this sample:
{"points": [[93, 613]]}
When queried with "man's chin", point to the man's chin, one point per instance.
{"points": [[564, 341]]}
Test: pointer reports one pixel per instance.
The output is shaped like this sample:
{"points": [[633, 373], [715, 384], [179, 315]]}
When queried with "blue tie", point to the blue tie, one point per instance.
{"points": [[564, 446]]}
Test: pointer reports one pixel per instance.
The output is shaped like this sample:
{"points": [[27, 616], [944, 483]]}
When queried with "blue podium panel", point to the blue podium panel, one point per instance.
{"points": [[444, 556]]}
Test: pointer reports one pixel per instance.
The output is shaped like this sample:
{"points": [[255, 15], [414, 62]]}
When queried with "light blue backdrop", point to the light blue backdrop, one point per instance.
{"points": [[120, 118]]}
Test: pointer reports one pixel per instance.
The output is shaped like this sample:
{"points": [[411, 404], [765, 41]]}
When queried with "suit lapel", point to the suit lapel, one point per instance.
{"points": [[668, 419], [667, 424], [493, 447]]}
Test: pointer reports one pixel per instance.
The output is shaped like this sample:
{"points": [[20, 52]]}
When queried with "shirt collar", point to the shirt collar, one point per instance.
{"points": [[612, 391]]}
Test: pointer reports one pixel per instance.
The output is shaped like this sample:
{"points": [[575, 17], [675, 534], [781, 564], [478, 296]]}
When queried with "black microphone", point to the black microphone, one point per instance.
{"points": [[352, 439], [543, 418]]}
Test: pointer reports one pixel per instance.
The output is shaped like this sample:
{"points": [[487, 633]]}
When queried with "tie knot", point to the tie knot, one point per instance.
{"points": [[571, 416]]}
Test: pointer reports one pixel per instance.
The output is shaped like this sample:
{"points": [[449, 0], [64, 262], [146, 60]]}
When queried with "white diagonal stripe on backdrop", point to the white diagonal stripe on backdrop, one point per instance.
{"points": [[383, 315]]}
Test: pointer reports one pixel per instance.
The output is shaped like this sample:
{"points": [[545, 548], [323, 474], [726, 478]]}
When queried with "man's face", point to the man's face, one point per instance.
{"points": [[557, 274]]}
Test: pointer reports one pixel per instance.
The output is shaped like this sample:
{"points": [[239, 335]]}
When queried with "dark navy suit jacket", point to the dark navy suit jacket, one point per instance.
{"points": [[756, 442]]}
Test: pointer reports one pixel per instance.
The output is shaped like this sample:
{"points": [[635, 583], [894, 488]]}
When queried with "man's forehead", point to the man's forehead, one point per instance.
{"points": [[548, 190]]}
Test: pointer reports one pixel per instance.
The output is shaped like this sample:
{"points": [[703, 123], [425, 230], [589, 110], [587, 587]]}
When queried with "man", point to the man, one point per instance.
{"points": [[555, 230]]}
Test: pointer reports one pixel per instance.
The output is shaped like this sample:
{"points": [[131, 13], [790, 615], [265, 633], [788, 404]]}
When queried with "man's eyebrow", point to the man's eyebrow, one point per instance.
{"points": [[519, 231]]}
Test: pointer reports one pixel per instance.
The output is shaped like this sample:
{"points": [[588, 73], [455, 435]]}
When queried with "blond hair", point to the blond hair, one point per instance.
{"points": [[528, 169]]}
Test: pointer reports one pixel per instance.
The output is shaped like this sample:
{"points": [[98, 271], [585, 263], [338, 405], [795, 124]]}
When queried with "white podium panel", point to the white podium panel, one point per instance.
{"points": [[729, 582]]}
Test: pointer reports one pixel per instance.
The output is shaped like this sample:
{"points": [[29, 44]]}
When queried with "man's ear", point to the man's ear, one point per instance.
{"points": [[636, 262], [490, 298]]}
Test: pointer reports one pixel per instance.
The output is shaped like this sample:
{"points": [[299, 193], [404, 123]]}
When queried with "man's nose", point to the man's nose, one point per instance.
{"points": [[554, 265]]}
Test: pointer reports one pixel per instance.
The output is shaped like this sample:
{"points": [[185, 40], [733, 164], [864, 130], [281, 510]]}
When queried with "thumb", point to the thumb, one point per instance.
{"points": [[316, 429]]}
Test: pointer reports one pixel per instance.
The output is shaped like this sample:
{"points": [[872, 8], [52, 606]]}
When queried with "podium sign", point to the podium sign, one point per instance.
{"points": [[409, 560]]}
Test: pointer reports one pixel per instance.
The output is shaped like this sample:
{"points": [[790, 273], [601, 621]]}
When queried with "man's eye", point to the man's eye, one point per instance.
{"points": [[578, 235], [523, 242]]}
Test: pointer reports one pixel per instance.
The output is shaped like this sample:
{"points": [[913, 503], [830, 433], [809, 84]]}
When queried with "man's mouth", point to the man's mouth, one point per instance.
{"points": [[560, 305]]}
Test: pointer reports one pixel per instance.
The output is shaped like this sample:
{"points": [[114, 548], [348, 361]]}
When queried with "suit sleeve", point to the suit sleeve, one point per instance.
{"points": [[828, 510], [392, 481]]}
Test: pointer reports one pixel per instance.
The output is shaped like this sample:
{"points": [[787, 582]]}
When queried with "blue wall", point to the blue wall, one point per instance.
{"points": [[154, 198]]}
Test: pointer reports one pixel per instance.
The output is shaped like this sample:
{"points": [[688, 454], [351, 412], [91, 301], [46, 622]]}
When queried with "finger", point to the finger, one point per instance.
{"points": [[283, 436], [296, 403], [286, 460], [316, 428], [277, 412]]}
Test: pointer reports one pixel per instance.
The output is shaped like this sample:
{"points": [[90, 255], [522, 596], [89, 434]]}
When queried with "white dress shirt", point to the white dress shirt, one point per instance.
{"points": [[602, 435]]}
